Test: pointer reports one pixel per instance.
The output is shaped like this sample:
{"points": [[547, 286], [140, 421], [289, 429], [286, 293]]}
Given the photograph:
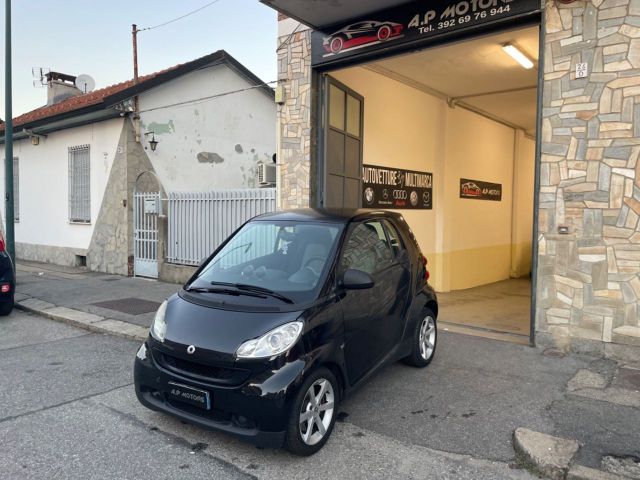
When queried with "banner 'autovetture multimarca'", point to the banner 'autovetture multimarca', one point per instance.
{"points": [[395, 188]]}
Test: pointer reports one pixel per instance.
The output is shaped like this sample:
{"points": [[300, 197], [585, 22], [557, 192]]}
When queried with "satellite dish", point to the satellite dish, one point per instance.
{"points": [[85, 83]]}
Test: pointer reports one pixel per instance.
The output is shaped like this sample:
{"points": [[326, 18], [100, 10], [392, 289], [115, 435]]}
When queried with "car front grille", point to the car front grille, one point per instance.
{"points": [[213, 374]]}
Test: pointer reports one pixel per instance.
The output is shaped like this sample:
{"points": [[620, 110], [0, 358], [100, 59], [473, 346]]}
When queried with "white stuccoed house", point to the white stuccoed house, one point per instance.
{"points": [[203, 126]]}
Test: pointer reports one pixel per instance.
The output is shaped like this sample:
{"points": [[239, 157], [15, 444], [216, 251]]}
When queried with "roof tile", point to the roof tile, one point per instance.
{"points": [[81, 101]]}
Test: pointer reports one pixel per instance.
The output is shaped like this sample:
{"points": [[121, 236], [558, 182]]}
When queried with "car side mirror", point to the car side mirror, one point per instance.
{"points": [[357, 280]]}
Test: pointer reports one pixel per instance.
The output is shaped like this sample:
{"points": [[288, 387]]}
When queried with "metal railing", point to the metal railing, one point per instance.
{"points": [[199, 222]]}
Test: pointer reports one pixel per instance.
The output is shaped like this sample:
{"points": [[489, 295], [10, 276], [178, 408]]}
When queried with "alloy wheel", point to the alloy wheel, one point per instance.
{"points": [[427, 337], [316, 411]]}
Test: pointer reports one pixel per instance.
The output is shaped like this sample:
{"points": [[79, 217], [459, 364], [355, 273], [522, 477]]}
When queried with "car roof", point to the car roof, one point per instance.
{"points": [[334, 215]]}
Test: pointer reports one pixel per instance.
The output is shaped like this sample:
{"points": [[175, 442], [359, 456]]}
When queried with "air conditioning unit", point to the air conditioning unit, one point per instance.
{"points": [[266, 174]]}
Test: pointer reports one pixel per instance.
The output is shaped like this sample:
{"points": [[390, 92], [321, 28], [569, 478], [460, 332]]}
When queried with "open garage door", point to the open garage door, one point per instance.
{"points": [[449, 133]]}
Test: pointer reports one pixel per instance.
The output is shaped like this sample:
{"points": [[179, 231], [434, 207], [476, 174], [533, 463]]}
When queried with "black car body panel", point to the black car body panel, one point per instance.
{"points": [[351, 332], [7, 276], [217, 333]]}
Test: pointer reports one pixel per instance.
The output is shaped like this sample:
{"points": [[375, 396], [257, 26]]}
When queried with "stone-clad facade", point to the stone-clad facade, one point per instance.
{"points": [[588, 280], [294, 119]]}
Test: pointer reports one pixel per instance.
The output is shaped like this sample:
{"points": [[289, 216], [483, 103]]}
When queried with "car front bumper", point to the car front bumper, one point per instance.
{"points": [[256, 411]]}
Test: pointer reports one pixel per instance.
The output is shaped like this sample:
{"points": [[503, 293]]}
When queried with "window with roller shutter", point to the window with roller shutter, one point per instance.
{"points": [[79, 185]]}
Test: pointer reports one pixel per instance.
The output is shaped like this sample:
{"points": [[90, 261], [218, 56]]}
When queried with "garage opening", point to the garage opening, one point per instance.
{"points": [[455, 126]]}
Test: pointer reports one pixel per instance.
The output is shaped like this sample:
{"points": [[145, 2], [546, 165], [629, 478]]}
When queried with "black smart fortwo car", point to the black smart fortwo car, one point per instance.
{"points": [[290, 314]]}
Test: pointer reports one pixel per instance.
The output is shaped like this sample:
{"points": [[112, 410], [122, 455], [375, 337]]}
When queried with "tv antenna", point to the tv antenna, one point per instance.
{"points": [[39, 76]]}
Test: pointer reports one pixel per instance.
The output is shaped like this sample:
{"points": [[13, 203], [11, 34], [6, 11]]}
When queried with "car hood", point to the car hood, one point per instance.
{"points": [[216, 333]]}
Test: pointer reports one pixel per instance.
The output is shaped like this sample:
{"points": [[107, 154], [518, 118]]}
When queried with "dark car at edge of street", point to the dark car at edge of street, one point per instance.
{"points": [[287, 317], [7, 280]]}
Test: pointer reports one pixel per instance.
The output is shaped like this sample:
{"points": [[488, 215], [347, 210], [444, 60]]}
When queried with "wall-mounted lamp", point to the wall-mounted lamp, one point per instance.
{"points": [[153, 143], [517, 55], [35, 137]]}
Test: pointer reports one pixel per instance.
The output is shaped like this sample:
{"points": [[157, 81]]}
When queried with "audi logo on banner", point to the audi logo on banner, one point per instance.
{"points": [[400, 194]]}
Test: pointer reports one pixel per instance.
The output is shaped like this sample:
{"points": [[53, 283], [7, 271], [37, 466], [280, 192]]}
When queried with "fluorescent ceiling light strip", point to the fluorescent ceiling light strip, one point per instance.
{"points": [[517, 55]]}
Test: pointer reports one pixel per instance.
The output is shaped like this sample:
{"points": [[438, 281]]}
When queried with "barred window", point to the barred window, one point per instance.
{"points": [[79, 185]]}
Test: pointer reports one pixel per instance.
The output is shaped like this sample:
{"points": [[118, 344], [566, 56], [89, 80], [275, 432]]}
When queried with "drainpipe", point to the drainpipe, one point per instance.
{"points": [[278, 154], [136, 104], [8, 139]]}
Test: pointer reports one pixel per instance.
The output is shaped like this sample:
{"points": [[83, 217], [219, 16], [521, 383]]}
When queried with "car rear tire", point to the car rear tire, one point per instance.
{"points": [[313, 413], [425, 338], [6, 308]]}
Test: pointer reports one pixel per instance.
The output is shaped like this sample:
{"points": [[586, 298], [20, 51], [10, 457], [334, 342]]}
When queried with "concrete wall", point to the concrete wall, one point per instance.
{"points": [[467, 242], [44, 231], [213, 143], [477, 233]]}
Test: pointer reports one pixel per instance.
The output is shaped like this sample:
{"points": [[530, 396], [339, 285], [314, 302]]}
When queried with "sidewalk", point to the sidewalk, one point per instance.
{"points": [[469, 401], [120, 305]]}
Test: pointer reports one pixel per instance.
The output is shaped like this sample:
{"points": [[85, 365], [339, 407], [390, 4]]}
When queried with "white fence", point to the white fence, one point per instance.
{"points": [[199, 222]]}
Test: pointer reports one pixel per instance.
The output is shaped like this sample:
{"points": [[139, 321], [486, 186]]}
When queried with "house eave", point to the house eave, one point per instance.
{"points": [[63, 122]]}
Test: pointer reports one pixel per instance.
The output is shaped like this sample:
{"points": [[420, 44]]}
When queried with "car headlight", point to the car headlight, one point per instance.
{"points": [[159, 326], [272, 343]]}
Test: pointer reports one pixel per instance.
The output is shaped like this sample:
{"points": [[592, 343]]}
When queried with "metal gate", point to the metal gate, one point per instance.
{"points": [[146, 208]]}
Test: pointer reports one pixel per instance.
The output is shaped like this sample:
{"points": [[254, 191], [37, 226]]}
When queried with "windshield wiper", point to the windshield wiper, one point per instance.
{"points": [[225, 291], [255, 289]]}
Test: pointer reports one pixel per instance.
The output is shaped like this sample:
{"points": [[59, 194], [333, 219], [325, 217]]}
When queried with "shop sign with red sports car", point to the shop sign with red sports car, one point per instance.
{"points": [[412, 25], [479, 190], [361, 34]]}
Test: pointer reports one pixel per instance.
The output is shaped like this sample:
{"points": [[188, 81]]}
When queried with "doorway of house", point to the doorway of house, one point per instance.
{"points": [[463, 116]]}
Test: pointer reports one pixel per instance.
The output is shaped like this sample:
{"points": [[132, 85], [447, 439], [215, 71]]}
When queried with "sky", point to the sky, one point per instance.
{"points": [[94, 37]]}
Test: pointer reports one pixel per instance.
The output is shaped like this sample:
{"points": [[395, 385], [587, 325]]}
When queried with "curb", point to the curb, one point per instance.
{"points": [[552, 457], [84, 320]]}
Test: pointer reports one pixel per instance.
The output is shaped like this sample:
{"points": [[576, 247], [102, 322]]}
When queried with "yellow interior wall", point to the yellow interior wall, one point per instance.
{"points": [[467, 242], [402, 128], [478, 232], [523, 206]]}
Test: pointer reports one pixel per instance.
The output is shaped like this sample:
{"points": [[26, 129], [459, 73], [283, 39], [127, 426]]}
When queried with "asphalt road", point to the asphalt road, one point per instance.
{"points": [[68, 410]]}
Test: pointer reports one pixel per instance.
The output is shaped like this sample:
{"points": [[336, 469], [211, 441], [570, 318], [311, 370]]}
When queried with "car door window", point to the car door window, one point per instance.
{"points": [[367, 249], [394, 238]]}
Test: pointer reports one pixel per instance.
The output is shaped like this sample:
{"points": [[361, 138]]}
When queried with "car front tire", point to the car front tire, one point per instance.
{"points": [[425, 338], [313, 414]]}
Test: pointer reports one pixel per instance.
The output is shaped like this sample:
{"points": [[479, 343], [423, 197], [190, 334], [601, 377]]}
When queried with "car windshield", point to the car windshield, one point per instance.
{"points": [[288, 258]]}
